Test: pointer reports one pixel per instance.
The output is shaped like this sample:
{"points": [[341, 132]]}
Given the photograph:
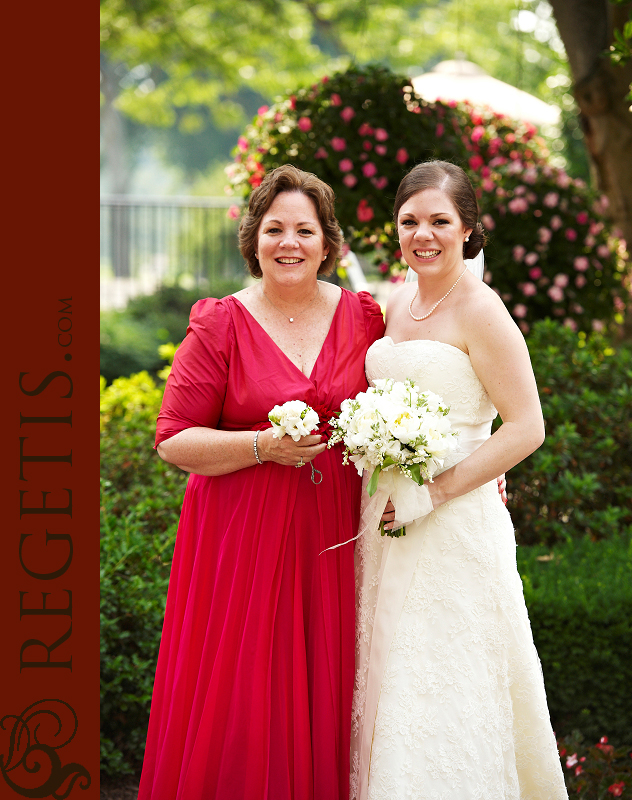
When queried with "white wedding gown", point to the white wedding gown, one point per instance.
{"points": [[449, 701]]}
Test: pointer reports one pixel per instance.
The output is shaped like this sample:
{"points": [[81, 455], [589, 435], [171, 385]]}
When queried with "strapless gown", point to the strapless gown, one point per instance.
{"points": [[449, 697]]}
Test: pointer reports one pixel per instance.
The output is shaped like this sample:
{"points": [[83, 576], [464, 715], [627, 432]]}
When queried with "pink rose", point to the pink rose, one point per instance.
{"points": [[336, 100], [242, 144], [531, 175], [616, 789], [401, 156], [580, 281], [379, 183], [369, 169], [367, 145], [556, 223], [350, 181], [518, 253], [551, 199], [476, 162], [439, 130], [577, 309], [555, 293], [488, 185], [570, 323], [520, 190], [563, 180], [530, 259], [581, 263], [535, 273], [518, 205], [321, 153], [544, 234], [524, 327], [603, 251], [595, 228], [347, 114], [338, 143], [346, 165], [528, 289], [597, 325], [488, 221], [233, 212], [381, 135], [589, 241], [478, 133], [561, 280], [364, 211], [365, 130], [262, 110], [520, 311], [383, 268], [305, 124], [380, 149], [571, 234], [582, 218]]}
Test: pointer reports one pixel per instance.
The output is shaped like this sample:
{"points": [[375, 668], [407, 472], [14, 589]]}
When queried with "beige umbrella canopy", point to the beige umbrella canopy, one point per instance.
{"points": [[463, 80]]}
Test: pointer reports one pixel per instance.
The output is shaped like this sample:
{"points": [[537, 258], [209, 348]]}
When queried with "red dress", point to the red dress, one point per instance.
{"points": [[252, 697]]}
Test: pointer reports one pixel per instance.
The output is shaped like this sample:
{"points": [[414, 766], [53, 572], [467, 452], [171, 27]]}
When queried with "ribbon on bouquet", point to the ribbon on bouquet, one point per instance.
{"points": [[410, 500]]}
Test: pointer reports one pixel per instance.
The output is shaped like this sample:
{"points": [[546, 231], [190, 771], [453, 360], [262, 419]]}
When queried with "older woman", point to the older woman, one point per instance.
{"points": [[252, 697]]}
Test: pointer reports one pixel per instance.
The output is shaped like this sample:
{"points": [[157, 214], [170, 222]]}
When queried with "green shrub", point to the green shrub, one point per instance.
{"points": [[141, 497], [550, 251], [579, 596], [580, 481], [130, 338]]}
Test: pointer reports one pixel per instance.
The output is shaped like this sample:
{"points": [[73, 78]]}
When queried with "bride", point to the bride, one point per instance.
{"points": [[449, 699]]}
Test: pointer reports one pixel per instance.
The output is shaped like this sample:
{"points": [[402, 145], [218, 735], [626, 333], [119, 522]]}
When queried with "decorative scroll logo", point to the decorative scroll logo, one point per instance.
{"points": [[32, 767]]}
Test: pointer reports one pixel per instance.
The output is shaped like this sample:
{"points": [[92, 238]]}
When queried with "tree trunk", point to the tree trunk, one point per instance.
{"points": [[586, 28], [113, 130]]}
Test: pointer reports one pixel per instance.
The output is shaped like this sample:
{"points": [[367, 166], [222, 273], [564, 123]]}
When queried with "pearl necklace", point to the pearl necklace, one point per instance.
{"points": [[425, 316], [300, 312]]}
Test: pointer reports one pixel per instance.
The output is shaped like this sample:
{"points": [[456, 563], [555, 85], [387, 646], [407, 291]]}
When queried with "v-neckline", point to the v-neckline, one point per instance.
{"points": [[289, 360]]}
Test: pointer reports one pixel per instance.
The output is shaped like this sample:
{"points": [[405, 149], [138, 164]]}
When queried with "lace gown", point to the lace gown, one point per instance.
{"points": [[449, 699]]}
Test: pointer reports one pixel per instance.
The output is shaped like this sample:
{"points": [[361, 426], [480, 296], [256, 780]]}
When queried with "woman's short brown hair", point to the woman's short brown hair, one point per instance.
{"points": [[290, 179], [454, 182]]}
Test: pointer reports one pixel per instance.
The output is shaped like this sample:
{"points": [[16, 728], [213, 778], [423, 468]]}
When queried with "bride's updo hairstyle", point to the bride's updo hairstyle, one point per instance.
{"points": [[290, 179], [454, 182]]}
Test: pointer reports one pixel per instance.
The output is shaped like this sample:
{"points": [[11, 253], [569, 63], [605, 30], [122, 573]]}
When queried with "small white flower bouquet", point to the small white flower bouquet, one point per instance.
{"points": [[394, 427], [295, 419]]}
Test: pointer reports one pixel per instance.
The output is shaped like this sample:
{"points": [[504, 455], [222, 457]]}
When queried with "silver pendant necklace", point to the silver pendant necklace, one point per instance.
{"points": [[425, 316], [291, 319]]}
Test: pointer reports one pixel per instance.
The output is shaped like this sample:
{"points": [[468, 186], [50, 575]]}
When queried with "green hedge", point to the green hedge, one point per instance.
{"points": [[580, 481], [580, 601], [130, 338], [579, 596]]}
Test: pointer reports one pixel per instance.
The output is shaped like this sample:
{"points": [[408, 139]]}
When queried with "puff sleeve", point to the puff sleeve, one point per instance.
{"points": [[373, 317], [195, 390]]}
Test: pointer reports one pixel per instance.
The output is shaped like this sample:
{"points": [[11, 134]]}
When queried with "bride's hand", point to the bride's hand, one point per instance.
{"points": [[286, 451], [502, 488], [388, 516]]}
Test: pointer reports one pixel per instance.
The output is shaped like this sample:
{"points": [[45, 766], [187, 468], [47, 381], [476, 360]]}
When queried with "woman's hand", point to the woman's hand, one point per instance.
{"points": [[286, 451], [388, 516], [502, 488]]}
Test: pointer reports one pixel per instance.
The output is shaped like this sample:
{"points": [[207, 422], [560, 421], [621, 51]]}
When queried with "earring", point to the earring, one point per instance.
{"points": [[324, 257], [467, 238]]}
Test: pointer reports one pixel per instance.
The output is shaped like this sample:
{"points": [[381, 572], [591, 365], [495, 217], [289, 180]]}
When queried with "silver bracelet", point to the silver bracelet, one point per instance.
{"points": [[254, 444]]}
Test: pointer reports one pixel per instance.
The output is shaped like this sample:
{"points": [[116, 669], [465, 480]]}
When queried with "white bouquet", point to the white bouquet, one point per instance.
{"points": [[295, 419], [393, 427]]}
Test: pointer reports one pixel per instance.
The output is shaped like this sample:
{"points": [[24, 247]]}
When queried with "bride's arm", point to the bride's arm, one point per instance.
{"points": [[207, 451], [500, 358]]}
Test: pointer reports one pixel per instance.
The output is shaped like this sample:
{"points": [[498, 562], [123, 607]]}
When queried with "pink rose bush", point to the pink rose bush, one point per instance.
{"points": [[361, 130], [600, 771]]}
